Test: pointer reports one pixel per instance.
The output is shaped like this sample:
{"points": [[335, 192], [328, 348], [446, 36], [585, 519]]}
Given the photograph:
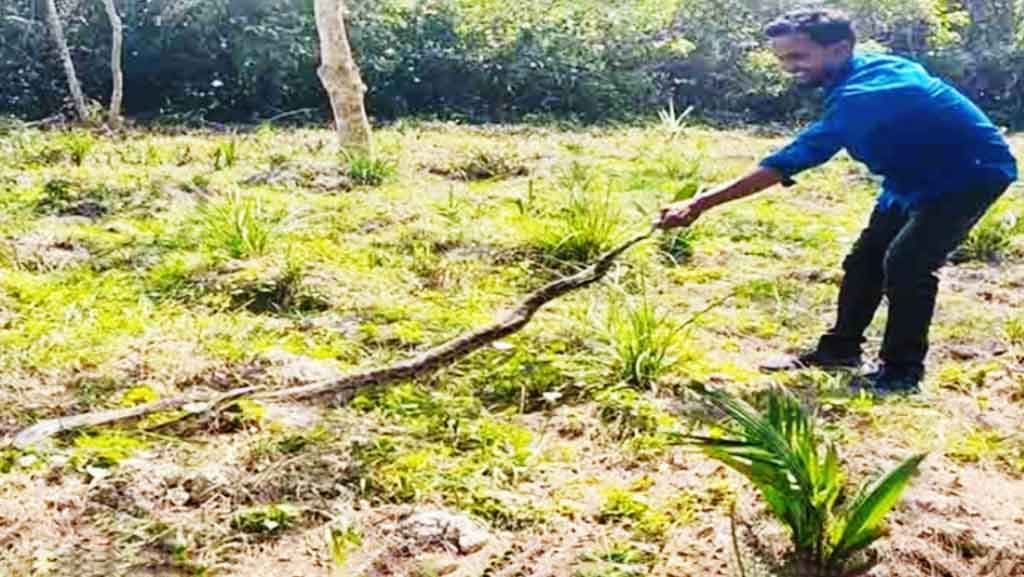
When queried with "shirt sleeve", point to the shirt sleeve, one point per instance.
{"points": [[815, 145]]}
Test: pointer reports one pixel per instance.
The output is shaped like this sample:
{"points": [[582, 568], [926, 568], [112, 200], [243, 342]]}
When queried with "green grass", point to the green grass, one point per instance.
{"points": [[265, 520]]}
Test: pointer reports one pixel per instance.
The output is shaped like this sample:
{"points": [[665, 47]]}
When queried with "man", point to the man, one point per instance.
{"points": [[943, 163]]}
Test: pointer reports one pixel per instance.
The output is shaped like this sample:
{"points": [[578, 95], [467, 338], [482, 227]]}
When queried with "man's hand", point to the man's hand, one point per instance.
{"points": [[686, 212], [680, 214]]}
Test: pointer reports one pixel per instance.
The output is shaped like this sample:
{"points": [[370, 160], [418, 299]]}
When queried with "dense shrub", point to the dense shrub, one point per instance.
{"points": [[486, 60]]}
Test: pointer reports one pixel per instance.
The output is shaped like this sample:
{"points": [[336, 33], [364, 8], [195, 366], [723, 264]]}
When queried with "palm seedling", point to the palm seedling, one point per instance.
{"points": [[672, 122], [801, 480]]}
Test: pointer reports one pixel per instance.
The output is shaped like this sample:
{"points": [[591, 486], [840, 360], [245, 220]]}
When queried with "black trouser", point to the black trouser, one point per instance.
{"points": [[898, 255]]}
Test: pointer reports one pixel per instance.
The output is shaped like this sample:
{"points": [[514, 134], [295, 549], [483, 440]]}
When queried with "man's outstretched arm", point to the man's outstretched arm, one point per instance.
{"points": [[815, 145], [685, 212]]}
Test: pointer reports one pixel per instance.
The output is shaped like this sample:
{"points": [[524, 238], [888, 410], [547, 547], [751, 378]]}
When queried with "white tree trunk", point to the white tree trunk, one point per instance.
{"points": [[116, 50], [57, 33], [340, 76]]}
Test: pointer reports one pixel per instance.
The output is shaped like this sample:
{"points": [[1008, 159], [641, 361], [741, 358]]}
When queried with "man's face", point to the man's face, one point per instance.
{"points": [[811, 63]]}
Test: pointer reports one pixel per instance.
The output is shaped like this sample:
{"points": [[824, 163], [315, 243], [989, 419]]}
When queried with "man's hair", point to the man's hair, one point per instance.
{"points": [[824, 26]]}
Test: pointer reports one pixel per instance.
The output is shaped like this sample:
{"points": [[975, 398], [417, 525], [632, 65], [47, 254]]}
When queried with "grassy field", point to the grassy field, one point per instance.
{"points": [[143, 265]]}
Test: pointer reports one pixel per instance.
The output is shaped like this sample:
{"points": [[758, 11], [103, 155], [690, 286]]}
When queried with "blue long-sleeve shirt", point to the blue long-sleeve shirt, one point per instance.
{"points": [[925, 138]]}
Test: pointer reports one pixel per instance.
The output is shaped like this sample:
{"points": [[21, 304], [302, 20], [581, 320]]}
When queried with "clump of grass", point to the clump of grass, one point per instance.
{"points": [[677, 245], [239, 226], [139, 395], [977, 445], [226, 155], [103, 450], [497, 512], [588, 225], [642, 340], [484, 164], [245, 412], [649, 521], [683, 171], [628, 414], [965, 378], [990, 239], [577, 176], [617, 559], [622, 504], [656, 522], [8, 460], [1014, 329], [265, 519], [367, 169], [522, 378], [63, 197], [800, 478], [452, 446]]}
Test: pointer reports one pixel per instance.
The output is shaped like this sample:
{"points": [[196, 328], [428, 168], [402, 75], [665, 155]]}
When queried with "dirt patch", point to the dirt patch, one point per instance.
{"points": [[39, 525], [324, 177], [267, 286], [957, 522], [402, 541], [482, 164], [45, 251]]}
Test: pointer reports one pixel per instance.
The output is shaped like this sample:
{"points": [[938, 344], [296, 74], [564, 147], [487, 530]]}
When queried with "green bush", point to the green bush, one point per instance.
{"points": [[484, 60]]}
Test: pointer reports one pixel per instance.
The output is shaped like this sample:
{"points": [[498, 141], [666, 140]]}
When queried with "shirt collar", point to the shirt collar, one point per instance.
{"points": [[844, 72]]}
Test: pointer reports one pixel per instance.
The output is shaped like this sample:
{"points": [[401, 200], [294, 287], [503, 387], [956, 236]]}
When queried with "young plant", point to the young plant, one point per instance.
{"points": [[781, 453], [78, 145], [672, 123]]}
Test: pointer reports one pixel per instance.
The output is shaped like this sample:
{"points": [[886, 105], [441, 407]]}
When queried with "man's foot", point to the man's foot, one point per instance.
{"points": [[813, 359], [890, 381]]}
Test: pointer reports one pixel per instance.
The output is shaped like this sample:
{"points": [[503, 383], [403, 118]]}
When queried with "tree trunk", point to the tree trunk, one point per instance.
{"points": [[117, 90], [340, 76], [57, 33]]}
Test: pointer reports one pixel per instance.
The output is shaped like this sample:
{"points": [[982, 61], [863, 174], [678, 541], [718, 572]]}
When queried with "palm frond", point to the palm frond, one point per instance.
{"points": [[801, 478], [867, 511]]}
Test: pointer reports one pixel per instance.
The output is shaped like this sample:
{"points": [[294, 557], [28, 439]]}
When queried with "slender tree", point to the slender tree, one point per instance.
{"points": [[340, 76], [116, 50], [57, 34]]}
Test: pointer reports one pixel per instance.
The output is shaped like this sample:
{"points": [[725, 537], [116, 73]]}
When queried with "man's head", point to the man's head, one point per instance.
{"points": [[812, 44]]}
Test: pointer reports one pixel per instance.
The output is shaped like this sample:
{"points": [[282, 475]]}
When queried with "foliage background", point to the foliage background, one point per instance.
{"points": [[488, 60]]}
